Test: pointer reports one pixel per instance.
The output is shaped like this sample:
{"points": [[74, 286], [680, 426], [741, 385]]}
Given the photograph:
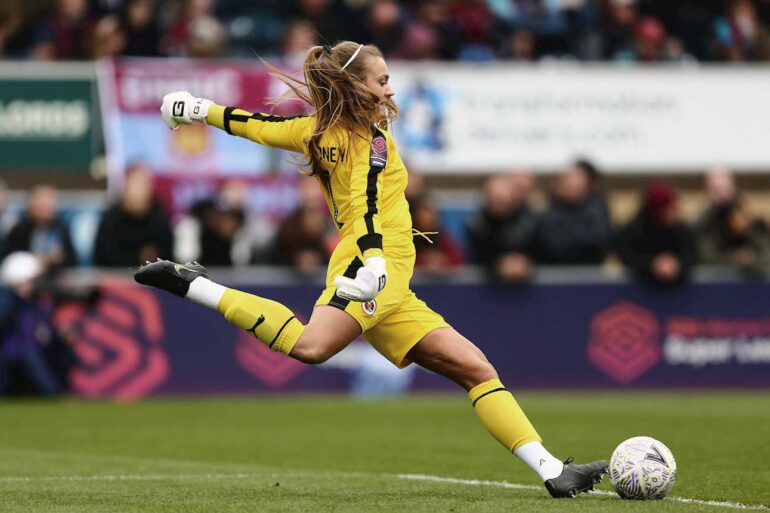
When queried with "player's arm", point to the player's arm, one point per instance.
{"points": [[366, 179], [288, 133]]}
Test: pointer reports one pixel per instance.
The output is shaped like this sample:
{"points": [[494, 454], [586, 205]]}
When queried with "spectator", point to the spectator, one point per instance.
{"points": [[195, 32], [616, 26], [657, 246], [720, 188], [41, 232], [325, 19], [219, 231], [726, 234], [436, 15], [476, 25], [502, 234], [733, 238], [19, 23], [522, 46], [385, 25], [67, 34], [306, 238], [134, 229], [576, 228], [297, 38], [542, 20], [420, 42], [437, 251], [139, 25], [107, 39], [25, 326], [741, 36], [649, 38], [302, 239], [10, 22]]}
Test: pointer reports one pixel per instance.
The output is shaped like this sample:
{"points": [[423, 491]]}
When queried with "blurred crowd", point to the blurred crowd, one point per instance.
{"points": [[657, 245], [472, 30], [507, 235]]}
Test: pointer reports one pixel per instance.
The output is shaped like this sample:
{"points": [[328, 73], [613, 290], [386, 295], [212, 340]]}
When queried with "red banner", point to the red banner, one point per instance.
{"points": [[191, 162]]}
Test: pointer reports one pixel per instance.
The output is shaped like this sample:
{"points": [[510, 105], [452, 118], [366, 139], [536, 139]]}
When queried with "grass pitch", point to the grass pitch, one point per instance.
{"points": [[318, 454]]}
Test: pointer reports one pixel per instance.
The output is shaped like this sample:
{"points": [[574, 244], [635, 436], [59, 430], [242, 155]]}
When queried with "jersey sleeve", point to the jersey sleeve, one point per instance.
{"points": [[288, 133], [366, 179]]}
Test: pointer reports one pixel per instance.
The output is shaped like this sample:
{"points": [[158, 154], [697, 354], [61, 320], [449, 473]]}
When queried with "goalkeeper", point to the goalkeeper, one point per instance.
{"points": [[354, 159]]}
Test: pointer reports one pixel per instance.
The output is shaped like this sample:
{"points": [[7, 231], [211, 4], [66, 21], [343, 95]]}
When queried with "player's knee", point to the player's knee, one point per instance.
{"points": [[312, 351], [317, 356], [480, 371]]}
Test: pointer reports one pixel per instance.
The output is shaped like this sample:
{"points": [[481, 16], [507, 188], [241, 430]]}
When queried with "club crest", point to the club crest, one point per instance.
{"points": [[369, 307]]}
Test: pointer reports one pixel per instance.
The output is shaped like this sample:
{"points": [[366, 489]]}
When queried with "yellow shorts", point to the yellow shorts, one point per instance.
{"points": [[396, 319]]}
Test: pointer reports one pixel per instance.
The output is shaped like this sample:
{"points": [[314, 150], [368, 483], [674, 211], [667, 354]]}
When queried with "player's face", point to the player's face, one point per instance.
{"points": [[378, 78]]}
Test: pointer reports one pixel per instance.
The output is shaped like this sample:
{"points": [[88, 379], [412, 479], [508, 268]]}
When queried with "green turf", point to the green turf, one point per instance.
{"points": [[336, 454]]}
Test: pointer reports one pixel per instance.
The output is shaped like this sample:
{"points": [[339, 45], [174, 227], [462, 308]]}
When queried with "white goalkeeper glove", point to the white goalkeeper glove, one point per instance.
{"points": [[369, 281], [182, 108]]}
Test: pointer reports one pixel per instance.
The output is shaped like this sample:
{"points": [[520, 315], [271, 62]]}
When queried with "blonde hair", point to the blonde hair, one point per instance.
{"points": [[334, 86]]}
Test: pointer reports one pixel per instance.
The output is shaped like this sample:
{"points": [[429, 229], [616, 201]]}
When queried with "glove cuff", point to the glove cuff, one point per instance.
{"points": [[200, 109]]}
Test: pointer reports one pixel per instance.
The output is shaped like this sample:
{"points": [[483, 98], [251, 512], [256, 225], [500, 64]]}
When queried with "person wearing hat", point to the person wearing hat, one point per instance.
{"points": [[657, 246], [24, 325]]}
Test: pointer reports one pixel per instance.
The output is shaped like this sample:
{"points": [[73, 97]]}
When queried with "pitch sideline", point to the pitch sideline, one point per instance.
{"points": [[505, 484], [249, 475]]}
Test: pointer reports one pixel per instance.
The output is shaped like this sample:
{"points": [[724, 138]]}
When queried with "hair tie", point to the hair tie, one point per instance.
{"points": [[327, 49], [353, 57]]}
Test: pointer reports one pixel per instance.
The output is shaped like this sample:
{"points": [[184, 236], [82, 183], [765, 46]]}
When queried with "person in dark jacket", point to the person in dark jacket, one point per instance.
{"points": [[657, 245], [502, 234], [25, 326], [727, 235], [136, 228], [41, 232], [576, 227], [303, 239], [733, 238]]}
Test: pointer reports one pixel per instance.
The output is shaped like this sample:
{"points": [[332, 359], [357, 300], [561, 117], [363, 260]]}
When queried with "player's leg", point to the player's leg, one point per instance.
{"points": [[447, 352], [328, 331]]}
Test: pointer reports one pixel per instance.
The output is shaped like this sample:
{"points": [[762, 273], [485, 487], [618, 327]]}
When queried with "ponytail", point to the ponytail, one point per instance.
{"points": [[334, 85]]}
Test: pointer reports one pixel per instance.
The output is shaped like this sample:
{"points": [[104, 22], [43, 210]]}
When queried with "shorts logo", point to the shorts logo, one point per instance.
{"points": [[369, 307], [624, 342]]}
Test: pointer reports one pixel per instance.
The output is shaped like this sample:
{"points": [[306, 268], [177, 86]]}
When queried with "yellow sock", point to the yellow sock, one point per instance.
{"points": [[502, 415], [269, 321]]}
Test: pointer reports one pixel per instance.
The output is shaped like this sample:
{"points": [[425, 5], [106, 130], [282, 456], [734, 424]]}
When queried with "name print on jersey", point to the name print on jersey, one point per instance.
{"points": [[333, 154]]}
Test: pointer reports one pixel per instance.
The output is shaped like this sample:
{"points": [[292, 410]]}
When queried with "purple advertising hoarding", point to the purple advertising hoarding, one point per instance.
{"points": [[136, 342]]}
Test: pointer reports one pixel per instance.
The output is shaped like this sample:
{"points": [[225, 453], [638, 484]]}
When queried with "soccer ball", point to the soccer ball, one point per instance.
{"points": [[642, 468]]}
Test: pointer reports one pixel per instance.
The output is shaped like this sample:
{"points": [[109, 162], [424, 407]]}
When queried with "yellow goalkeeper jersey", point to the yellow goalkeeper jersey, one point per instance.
{"points": [[363, 179]]}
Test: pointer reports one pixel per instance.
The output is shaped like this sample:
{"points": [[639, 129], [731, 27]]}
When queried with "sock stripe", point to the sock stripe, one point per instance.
{"points": [[486, 394], [280, 331]]}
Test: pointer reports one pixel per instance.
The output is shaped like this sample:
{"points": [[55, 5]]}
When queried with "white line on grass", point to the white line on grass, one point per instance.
{"points": [[284, 471], [503, 484], [127, 477]]}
